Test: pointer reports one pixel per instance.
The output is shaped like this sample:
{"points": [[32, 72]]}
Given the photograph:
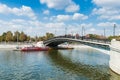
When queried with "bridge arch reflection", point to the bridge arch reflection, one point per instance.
{"points": [[88, 71]]}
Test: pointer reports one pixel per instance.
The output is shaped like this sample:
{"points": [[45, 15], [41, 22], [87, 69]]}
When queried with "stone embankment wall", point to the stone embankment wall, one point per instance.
{"points": [[13, 46], [115, 56]]}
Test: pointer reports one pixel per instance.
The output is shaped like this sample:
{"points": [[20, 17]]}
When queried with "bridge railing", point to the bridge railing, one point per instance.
{"points": [[97, 40], [82, 38]]}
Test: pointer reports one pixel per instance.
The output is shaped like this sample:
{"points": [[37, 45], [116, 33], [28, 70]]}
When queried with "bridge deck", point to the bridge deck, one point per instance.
{"points": [[99, 43], [58, 41]]}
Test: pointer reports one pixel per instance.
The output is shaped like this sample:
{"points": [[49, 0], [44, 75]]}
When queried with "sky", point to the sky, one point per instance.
{"points": [[36, 17]]}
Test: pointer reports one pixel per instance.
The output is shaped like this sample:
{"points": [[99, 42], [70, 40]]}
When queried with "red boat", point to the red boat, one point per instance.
{"points": [[34, 49], [38, 47]]}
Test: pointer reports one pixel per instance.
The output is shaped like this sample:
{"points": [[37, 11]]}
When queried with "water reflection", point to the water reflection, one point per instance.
{"points": [[114, 76], [85, 64], [89, 71]]}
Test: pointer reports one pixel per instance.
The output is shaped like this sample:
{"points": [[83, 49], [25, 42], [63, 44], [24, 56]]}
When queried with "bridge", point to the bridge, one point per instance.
{"points": [[54, 42], [114, 47]]}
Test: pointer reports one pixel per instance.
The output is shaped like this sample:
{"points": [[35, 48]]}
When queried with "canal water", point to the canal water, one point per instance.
{"points": [[76, 64]]}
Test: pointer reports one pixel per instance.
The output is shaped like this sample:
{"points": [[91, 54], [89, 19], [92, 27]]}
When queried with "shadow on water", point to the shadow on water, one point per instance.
{"points": [[114, 76], [88, 71]]}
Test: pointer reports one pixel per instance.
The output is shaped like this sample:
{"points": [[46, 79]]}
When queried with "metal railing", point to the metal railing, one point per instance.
{"points": [[83, 38]]}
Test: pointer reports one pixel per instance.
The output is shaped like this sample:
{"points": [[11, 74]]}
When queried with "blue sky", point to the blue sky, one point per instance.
{"points": [[36, 17]]}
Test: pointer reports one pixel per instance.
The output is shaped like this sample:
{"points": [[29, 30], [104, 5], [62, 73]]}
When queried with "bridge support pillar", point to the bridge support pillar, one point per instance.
{"points": [[115, 56]]}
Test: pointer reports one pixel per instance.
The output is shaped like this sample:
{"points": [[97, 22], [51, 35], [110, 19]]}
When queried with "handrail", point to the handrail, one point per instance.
{"points": [[80, 38]]}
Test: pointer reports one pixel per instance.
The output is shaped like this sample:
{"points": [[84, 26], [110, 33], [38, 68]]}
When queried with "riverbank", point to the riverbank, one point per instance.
{"points": [[75, 46], [12, 46]]}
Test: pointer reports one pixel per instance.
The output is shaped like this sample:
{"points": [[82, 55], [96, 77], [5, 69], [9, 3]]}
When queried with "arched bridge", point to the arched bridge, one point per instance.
{"points": [[114, 48], [54, 42]]}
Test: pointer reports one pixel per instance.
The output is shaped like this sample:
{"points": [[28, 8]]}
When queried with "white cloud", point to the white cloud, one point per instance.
{"points": [[30, 27], [55, 25], [46, 12], [57, 4], [87, 26], [61, 4], [72, 8], [74, 17], [108, 9], [22, 11], [106, 24], [35, 27], [107, 3], [78, 16], [60, 18], [92, 30], [63, 17], [107, 13], [95, 31]]}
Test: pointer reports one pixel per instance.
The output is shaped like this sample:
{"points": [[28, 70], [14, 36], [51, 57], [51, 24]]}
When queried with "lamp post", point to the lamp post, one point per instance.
{"points": [[17, 38], [114, 29], [104, 32], [104, 35], [65, 31], [83, 31]]}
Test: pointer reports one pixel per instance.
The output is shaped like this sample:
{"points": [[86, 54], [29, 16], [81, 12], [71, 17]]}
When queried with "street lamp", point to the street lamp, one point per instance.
{"points": [[104, 35], [104, 32], [83, 31], [65, 31], [114, 29]]}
